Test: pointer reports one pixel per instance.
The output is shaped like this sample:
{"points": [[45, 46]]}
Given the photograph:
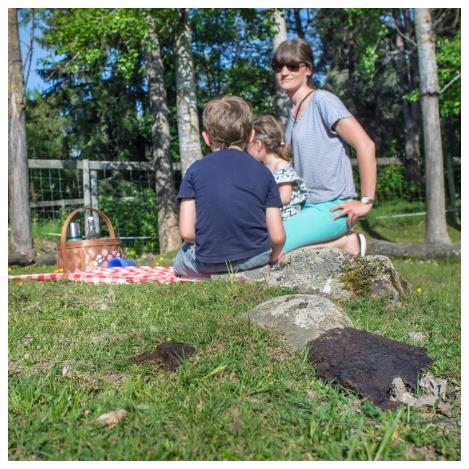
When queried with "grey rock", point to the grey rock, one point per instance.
{"points": [[400, 394], [253, 275], [417, 336], [436, 386], [338, 275], [301, 317], [311, 270]]}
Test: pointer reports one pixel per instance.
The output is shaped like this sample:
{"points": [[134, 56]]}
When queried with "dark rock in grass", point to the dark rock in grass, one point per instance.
{"points": [[168, 355], [367, 362], [338, 275], [301, 317], [46, 259]]}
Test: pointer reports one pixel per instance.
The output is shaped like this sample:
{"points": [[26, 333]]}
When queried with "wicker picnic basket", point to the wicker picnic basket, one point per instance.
{"points": [[89, 254]]}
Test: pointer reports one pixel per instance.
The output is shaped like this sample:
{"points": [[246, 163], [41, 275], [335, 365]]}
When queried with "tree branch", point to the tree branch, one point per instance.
{"points": [[450, 83], [407, 38]]}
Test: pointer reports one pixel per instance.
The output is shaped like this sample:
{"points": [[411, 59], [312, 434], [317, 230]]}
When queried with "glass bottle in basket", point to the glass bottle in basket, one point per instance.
{"points": [[91, 232]]}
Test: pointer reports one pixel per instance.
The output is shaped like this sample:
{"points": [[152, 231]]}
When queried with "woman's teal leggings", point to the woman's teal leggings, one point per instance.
{"points": [[314, 224]]}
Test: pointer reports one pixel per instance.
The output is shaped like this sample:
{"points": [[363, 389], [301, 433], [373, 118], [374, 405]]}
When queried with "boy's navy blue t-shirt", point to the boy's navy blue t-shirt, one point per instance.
{"points": [[232, 192]]}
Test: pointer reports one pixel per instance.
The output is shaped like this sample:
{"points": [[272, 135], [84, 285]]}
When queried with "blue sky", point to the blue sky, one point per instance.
{"points": [[34, 80]]}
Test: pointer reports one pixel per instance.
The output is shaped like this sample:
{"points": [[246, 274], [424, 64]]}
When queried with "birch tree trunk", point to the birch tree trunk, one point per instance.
{"points": [[187, 117], [436, 230], [21, 247], [168, 230], [279, 34]]}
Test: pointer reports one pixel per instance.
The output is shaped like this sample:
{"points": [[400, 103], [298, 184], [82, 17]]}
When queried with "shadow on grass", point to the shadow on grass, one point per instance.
{"points": [[365, 224]]}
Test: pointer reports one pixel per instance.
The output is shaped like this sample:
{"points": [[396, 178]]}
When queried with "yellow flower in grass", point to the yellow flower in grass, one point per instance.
{"points": [[161, 258], [19, 283], [57, 271], [9, 269], [418, 290]]}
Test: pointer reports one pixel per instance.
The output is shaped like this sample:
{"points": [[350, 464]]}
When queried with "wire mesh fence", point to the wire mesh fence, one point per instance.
{"points": [[126, 193], [399, 196]]}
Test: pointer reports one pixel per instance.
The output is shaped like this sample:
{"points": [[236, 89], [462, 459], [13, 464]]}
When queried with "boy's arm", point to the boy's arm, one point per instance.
{"points": [[276, 232], [187, 220]]}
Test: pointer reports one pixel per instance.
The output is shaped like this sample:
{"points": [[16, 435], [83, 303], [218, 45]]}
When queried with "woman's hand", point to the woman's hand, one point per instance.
{"points": [[352, 209]]}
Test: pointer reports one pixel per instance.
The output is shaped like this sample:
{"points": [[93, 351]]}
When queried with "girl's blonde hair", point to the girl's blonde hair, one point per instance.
{"points": [[270, 132]]}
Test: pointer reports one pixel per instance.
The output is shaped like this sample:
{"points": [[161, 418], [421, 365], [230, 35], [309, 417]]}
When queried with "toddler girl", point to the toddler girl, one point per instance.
{"points": [[270, 149]]}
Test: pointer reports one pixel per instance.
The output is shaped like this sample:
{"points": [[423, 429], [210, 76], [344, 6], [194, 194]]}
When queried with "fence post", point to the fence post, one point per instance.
{"points": [[94, 195], [451, 189], [86, 188]]}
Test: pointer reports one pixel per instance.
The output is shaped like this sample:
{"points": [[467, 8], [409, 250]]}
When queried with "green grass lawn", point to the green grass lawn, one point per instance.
{"points": [[243, 395], [402, 222]]}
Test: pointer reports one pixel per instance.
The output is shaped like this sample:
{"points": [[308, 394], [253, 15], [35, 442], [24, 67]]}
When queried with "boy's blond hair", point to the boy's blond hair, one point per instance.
{"points": [[228, 121]]}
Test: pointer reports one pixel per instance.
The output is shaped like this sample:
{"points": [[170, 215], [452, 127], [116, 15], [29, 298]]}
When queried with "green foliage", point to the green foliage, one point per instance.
{"points": [[412, 96], [354, 57], [232, 49], [391, 181], [135, 215], [449, 67], [97, 80], [46, 129]]}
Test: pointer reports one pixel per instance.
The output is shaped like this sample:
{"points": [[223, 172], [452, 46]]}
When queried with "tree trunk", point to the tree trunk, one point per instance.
{"points": [[413, 163], [168, 230], [299, 26], [187, 117], [279, 32], [436, 230], [21, 246], [414, 83]]}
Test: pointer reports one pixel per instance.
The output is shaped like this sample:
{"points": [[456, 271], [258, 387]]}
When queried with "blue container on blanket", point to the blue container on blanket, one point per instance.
{"points": [[120, 262]]}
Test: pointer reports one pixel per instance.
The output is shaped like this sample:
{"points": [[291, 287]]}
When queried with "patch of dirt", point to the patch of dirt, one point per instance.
{"points": [[280, 351], [167, 355], [428, 453], [19, 369], [235, 417], [114, 379]]}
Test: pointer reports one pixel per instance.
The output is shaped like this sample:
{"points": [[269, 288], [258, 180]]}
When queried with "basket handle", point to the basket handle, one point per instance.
{"points": [[82, 209]]}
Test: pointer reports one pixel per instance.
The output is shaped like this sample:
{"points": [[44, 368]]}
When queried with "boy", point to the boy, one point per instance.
{"points": [[230, 205]]}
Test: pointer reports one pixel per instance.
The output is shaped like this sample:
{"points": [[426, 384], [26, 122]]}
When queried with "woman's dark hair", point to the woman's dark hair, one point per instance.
{"points": [[294, 51], [269, 131]]}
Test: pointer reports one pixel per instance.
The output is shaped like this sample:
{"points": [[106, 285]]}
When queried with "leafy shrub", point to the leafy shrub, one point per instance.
{"points": [[133, 215]]}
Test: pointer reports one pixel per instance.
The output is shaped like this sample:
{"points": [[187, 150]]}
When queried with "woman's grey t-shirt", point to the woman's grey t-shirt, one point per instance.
{"points": [[320, 156]]}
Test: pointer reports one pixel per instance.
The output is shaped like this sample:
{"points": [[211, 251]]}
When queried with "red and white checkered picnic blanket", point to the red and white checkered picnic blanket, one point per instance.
{"points": [[143, 274]]}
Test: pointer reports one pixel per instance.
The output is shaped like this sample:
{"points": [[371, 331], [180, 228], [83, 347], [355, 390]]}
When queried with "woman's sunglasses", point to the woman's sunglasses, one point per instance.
{"points": [[291, 67]]}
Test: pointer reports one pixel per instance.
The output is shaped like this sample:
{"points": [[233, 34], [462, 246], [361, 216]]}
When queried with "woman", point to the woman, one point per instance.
{"points": [[320, 129]]}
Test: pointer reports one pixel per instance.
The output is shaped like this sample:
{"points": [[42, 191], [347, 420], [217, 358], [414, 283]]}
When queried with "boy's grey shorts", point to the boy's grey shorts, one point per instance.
{"points": [[186, 264]]}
